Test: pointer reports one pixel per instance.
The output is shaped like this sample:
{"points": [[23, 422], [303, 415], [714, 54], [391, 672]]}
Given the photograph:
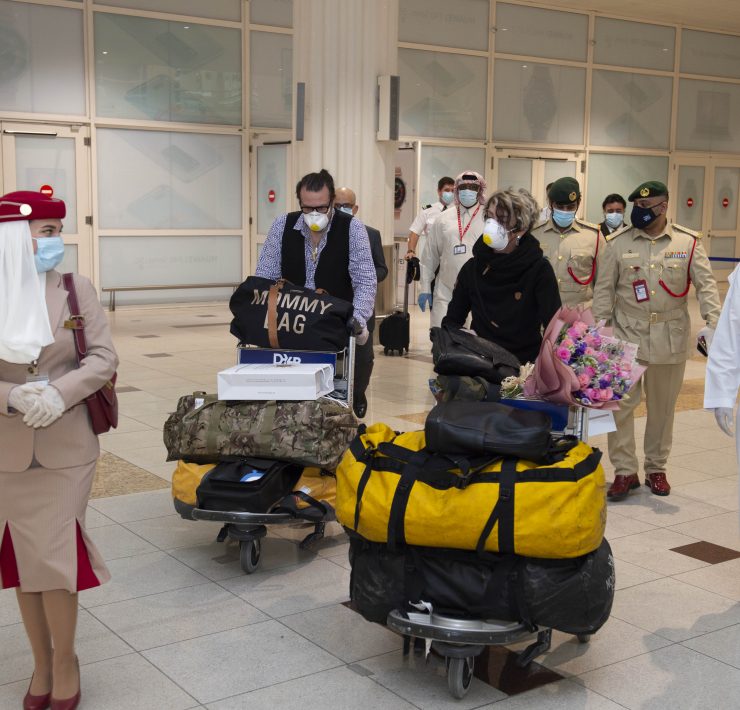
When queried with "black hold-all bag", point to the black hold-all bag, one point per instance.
{"points": [[281, 315], [480, 428], [573, 596], [456, 352], [247, 486]]}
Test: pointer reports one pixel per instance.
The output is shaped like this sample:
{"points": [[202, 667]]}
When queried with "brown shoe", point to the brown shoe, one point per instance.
{"points": [[658, 483], [622, 485]]}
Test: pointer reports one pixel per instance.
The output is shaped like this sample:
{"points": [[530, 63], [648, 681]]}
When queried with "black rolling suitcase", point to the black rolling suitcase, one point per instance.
{"points": [[393, 332]]}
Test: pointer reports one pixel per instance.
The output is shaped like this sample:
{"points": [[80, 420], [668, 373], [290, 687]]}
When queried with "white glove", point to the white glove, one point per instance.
{"points": [[707, 333], [725, 419], [47, 408], [21, 398], [363, 336]]}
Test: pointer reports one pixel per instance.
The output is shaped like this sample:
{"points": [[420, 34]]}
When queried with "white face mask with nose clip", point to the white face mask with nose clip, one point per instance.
{"points": [[495, 235]]}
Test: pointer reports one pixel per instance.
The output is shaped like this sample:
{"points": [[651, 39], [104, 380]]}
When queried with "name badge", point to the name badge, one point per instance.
{"points": [[641, 290], [459, 249]]}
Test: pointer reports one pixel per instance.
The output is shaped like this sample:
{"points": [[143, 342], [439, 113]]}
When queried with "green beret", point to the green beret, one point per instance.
{"points": [[651, 188], [564, 191]]}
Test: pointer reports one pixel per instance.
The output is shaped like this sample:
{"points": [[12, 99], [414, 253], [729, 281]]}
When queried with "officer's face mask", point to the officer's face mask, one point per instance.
{"points": [[613, 219], [316, 221], [49, 253], [447, 197], [563, 218], [642, 217], [467, 197], [495, 235]]}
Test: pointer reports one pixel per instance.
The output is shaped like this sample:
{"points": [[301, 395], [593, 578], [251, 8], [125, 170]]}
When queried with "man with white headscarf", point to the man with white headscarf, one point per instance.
{"points": [[450, 243]]}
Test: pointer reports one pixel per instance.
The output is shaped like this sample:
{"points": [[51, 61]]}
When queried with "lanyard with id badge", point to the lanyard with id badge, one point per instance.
{"points": [[462, 248]]}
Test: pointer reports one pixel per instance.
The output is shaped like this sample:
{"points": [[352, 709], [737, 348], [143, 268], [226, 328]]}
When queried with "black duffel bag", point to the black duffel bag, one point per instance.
{"points": [[456, 352], [281, 315], [573, 596], [247, 486], [480, 428]]}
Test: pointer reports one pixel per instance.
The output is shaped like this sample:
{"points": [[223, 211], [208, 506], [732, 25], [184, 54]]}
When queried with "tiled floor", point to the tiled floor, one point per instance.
{"points": [[180, 626]]}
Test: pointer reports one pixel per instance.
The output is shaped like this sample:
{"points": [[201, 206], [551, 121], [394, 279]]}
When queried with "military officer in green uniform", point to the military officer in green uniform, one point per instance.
{"points": [[572, 245], [643, 289]]}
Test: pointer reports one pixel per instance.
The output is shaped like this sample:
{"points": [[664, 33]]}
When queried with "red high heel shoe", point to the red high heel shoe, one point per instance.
{"points": [[36, 702], [69, 703]]}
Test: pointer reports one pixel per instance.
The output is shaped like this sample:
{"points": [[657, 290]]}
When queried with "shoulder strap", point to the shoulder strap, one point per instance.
{"points": [[503, 511], [76, 320]]}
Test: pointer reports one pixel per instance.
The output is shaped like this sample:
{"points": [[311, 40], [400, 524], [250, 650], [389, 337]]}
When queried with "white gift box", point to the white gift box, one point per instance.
{"points": [[256, 381]]}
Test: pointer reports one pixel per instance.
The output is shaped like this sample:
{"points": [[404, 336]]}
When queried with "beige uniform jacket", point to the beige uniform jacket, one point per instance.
{"points": [[660, 326], [69, 441], [572, 251]]}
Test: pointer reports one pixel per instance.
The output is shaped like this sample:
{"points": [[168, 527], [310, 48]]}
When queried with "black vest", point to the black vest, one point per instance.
{"points": [[332, 271]]}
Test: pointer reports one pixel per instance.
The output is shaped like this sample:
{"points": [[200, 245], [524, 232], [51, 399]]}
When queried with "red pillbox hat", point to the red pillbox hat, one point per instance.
{"points": [[28, 205]]}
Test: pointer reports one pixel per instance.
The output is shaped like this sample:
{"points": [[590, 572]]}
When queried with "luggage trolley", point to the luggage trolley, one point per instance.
{"points": [[249, 528], [460, 640]]}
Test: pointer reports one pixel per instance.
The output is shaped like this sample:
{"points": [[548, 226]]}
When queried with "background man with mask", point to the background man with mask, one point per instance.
{"points": [[450, 243], [642, 289], [614, 207], [572, 245], [346, 201], [424, 220], [319, 247]]}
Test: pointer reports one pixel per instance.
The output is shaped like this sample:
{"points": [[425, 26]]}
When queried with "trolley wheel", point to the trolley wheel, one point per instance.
{"points": [[249, 555], [386, 351], [583, 638], [460, 675]]}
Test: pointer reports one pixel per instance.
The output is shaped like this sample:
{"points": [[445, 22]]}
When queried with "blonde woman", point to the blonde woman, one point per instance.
{"points": [[48, 446], [508, 286]]}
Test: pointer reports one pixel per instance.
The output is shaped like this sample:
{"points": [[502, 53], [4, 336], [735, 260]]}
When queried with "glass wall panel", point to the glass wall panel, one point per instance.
{"points": [[630, 110], [160, 261], [538, 103], [42, 160], [69, 262], [633, 44], [514, 172], [272, 163], [271, 79], [167, 71], [534, 32], [724, 209], [723, 247], [213, 9], [438, 161], [620, 174], [462, 24], [161, 180], [38, 73], [710, 54], [690, 196], [556, 169], [708, 116], [442, 95], [277, 13]]}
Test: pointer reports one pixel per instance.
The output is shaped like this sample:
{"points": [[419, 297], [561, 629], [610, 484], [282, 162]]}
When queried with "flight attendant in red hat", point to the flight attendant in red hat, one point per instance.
{"points": [[48, 446]]}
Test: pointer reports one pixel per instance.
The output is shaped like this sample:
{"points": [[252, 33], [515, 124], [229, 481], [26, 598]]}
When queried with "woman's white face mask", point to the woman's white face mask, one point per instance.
{"points": [[495, 235]]}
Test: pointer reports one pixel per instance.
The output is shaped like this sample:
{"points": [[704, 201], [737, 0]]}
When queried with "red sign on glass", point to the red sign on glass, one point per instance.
{"points": [[271, 196], [690, 202], [725, 202]]}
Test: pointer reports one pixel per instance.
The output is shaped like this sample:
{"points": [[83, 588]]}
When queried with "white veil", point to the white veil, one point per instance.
{"points": [[24, 319]]}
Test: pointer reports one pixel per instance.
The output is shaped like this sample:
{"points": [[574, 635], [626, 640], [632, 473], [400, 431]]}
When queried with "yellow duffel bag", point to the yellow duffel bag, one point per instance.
{"points": [[389, 489], [186, 479]]}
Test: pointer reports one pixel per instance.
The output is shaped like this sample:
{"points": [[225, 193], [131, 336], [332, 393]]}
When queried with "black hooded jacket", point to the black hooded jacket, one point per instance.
{"points": [[512, 296]]}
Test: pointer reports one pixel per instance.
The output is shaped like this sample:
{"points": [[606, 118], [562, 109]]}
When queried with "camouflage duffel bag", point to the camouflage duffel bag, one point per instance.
{"points": [[205, 429]]}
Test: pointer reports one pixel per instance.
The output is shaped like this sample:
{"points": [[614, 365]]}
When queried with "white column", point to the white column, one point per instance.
{"points": [[340, 48]]}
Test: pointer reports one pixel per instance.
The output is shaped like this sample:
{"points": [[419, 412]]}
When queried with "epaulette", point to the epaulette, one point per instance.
{"points": [[426, 207], [584, 223], [686, 230], [540, 223], [617, 232]]}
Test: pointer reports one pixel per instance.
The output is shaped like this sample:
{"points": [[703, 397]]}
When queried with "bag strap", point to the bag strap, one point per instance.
{"points": [[272, 321], [76, 322], [396, 518], [503, 511]]}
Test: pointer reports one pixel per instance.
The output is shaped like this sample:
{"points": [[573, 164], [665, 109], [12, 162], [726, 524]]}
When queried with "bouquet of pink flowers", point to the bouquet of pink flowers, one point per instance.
{"points": [[580, 362]]}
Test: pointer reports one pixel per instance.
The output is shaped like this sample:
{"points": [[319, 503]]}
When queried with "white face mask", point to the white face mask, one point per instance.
{"points": [[495, 235], [316, 221], [614, 219], [467, 197]]}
